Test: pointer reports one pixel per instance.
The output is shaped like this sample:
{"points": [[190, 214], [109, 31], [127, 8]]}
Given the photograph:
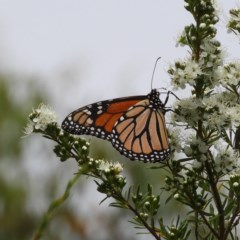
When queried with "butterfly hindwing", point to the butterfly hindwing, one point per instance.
{"points": [[140, 134]]}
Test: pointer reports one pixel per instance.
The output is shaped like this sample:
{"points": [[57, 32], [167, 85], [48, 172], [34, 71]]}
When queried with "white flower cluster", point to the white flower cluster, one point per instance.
{"points": [[188, 71], [196, 147], [234, 113], [222, 110], [211, 102], [229, 74], [226, 159], [217, 103], [216, 114], [109, 166], [211, 57], [187, 111], [40, 118], [227, 98], [184, 73], [217, 121], [216, 111], [174, 135], [234, 178], [234, 22]]}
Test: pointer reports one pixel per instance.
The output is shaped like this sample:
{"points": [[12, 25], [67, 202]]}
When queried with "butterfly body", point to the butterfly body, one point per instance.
{"points": [[134, 125]]}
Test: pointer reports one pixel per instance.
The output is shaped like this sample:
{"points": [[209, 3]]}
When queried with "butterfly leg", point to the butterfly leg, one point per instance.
{"points": [[168, 93]]}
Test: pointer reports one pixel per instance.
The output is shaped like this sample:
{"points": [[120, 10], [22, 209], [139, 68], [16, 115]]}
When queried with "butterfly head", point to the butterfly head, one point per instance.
{"points": [[154, 99]]}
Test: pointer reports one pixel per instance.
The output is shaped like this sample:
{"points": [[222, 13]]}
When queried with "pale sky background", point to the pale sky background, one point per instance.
{"points": [[99, 49], [85, 51]]}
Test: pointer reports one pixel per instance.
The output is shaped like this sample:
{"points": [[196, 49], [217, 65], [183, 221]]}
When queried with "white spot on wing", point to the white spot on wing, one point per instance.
{"points": [[89, 121]]}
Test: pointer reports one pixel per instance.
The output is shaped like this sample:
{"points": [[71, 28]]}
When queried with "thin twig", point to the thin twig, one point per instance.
{"points": [[146, 225], [215, 233], [196, 225], [217, 200], [230, 224]]}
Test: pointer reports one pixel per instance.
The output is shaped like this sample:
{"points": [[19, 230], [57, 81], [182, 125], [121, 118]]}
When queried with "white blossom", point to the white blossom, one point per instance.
{"points": [[117, 167], [192, 70], [28, 129], [211, 57], [229, 74], [40, 118], [235, 184], [84, 148], [108, 166], [218, 120], [211, 102], [104, 166], [175, 139], [228, 99], [226, 160], [185, 73], [176, 196], [195, 146], [202, 25], [147, 203], [234, 113], [222, 111], [188, 109]]}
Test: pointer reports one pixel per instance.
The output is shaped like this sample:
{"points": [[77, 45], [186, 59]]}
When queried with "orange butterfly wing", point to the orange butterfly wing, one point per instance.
{"points": [[98, 119], [134, 125], [140, 134]]}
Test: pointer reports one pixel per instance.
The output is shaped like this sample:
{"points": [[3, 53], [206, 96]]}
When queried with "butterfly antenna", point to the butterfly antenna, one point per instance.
{"points": [[154, 70]]}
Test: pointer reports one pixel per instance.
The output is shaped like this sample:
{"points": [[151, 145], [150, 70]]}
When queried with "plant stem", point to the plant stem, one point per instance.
{"points": [[231, 222], [217, 200], [196, 225], [208, 224], [146, 225]]}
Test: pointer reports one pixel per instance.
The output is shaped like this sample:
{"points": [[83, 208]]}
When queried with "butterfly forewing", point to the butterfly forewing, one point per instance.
{"points": [[98, 119]]}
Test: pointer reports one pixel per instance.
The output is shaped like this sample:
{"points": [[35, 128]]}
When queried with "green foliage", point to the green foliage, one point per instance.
{"points": [[15, 221], [13, 116]]}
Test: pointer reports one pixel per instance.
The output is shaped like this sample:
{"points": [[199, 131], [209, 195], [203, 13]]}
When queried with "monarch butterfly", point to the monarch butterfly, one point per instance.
{"points": [[134, 125]]}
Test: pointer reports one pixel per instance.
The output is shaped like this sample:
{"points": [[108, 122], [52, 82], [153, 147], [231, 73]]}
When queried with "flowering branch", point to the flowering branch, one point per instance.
{"points": [[204, 113], [107, 177]]}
